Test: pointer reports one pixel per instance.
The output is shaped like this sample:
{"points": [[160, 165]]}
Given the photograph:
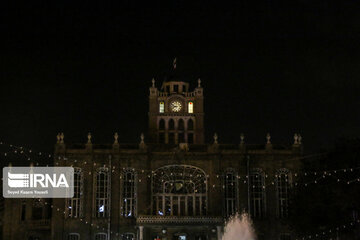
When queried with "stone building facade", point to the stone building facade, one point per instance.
{"points": [[171, 185]]}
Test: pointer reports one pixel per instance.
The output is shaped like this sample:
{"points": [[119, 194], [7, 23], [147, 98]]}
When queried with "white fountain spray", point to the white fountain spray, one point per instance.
{"points": [[239, 227]]}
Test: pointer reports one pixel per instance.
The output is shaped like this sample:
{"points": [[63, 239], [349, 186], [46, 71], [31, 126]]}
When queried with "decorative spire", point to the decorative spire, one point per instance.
{"points": [[299, 139], [58, 138], [142, 138], [153, 82], [89, 138], [116, 136], [268, 137], [242, 138], [61, 137], [174, 63], [215, 138], [296, 139], [199, 83]]}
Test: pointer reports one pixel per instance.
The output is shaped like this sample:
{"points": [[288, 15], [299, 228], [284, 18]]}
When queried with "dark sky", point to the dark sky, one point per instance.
{"points": [[274, 66]]}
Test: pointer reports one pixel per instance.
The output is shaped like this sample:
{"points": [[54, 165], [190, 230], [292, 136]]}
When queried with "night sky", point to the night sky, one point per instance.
{"points": [[274, 66]]}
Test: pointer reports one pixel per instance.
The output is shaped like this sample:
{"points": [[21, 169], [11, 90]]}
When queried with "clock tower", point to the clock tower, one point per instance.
{"points": [[176, 114]]}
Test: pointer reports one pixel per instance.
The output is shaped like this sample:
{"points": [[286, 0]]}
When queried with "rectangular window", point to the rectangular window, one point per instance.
{"points": [[257, 193], [171, 138], [176, 88], [191, 107], [161, 107], [283, 188], [128, 193], [102, 193], [75, 204], [230, 191], [190, 138]]}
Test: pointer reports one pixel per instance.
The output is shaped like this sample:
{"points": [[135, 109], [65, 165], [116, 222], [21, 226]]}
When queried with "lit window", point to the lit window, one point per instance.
{"points": [[101, 236], [257, 193], [161, 107], [102, 193], [128, 236], [128, 193], [285, 236], [230, 192], [73, 236], [74, 208], [283, 181], [179, 190], [191, 107]]}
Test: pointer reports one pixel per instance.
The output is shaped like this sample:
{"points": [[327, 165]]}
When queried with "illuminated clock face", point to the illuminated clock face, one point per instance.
{"points": [[175, 106]]}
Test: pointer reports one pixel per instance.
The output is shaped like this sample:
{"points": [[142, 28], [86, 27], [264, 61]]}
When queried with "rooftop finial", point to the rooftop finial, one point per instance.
{"points": [[89, 137], [61, 137], [153, 82], [116, 136], [199, 82], [174, 63], [215, 138], [299, 138], [142, 137], [58, 138], [242, 137], [296, 139], [268, 137]]}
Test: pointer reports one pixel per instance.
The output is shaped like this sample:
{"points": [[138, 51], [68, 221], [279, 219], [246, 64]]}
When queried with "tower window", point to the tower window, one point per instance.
{"points": [[190, 138], [161, 107], [171, 138], [190, 124], [161, 124], [181, 124], [191, 107], [176, 88], [171, 124], [161, 138]]}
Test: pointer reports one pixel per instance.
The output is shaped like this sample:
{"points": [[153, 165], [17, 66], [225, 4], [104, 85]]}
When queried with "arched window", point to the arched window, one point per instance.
{"points": [[74, 207], [101, 236], [191, 107], [257, 193], [171, 124], [181, 124], [128, 236], [128, 193], [179, 190], [102, 191], [161, 124], [283, 183], [161, 107], [73, 236], [190, 124], [230, 192]]}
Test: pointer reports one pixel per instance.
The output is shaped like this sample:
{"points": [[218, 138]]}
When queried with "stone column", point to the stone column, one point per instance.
{"points": [[141, 232], [218, 230]]}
